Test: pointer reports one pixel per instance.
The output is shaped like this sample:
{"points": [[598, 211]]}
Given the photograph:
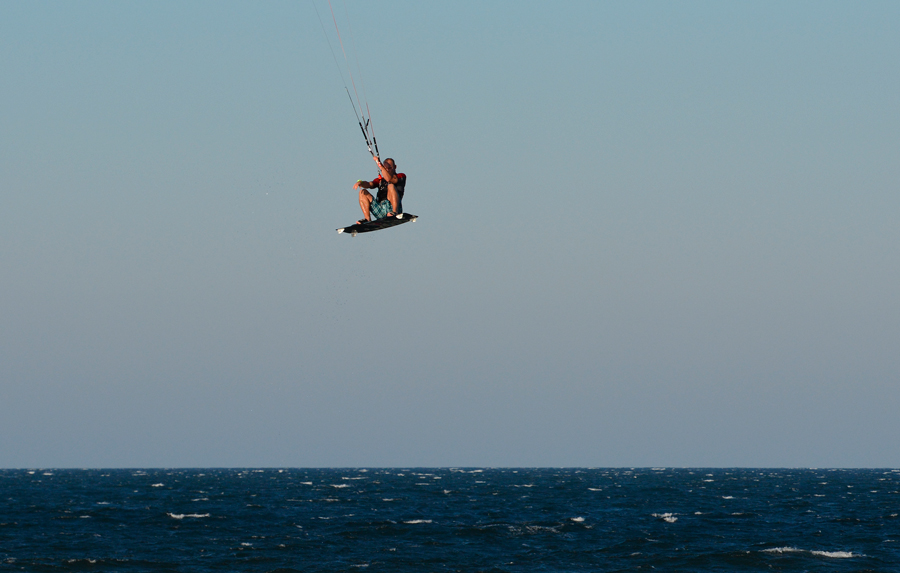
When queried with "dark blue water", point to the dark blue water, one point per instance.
{"points": [[421, 520]]}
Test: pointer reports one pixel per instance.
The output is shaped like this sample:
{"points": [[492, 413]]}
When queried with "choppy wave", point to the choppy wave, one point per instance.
{"points": [[667, 517], [191, 515], [829, 554]]}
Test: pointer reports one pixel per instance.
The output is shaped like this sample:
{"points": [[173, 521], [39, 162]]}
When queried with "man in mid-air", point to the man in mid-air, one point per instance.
{"points": [[388, 201]]}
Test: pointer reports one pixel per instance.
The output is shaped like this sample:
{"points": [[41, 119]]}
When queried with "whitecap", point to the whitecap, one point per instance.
{"points": [[417, 521], [577, 519], [158, 485], [540, 529], [727, 497], [183, 515], [830, 554], [667, 517], [836, 554]]}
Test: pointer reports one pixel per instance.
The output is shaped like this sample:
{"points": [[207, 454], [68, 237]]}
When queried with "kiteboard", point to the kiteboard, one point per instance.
{"points": [[378, 224]]}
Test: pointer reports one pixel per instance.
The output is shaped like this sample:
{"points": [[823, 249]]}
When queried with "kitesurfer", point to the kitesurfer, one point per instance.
{"points": [[388, 200]]}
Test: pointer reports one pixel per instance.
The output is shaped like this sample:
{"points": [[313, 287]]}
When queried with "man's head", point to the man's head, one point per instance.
{"points": [[390, 164]]}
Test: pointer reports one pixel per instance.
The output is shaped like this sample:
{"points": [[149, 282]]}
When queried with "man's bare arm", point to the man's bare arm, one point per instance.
{"points": [[384, 172]]}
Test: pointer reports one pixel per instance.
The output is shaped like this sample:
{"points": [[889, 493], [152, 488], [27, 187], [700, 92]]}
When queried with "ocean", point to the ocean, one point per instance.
{"points": [[452, 519]]}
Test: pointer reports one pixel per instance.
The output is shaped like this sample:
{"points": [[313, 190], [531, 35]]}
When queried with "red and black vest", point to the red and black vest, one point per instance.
{"points": [[400, 186]]}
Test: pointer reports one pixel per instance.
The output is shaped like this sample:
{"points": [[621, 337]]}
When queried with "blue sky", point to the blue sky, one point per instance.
{"points": [[650, 234]]}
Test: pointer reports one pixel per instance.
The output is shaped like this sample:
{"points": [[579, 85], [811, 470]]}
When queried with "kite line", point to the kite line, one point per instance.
{"points": [[362, 113]]}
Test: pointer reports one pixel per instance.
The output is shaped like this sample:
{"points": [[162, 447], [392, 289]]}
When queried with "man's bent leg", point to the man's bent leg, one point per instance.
{"points": [[394, 198], [365, 201]]}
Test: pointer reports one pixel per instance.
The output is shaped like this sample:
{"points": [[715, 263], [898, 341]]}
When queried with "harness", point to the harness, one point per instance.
{"points": [[400, 186]]}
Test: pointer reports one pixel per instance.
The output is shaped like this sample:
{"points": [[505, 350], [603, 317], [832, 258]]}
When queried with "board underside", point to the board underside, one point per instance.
{"points": [[377, 225]]}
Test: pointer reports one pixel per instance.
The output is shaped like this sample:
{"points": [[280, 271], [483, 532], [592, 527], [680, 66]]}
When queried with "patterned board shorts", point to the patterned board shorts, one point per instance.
{"points": [[380, 209]]}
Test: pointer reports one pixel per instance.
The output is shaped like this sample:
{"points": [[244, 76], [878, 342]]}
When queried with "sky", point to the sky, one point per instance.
{"points": [[649, 234]]}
